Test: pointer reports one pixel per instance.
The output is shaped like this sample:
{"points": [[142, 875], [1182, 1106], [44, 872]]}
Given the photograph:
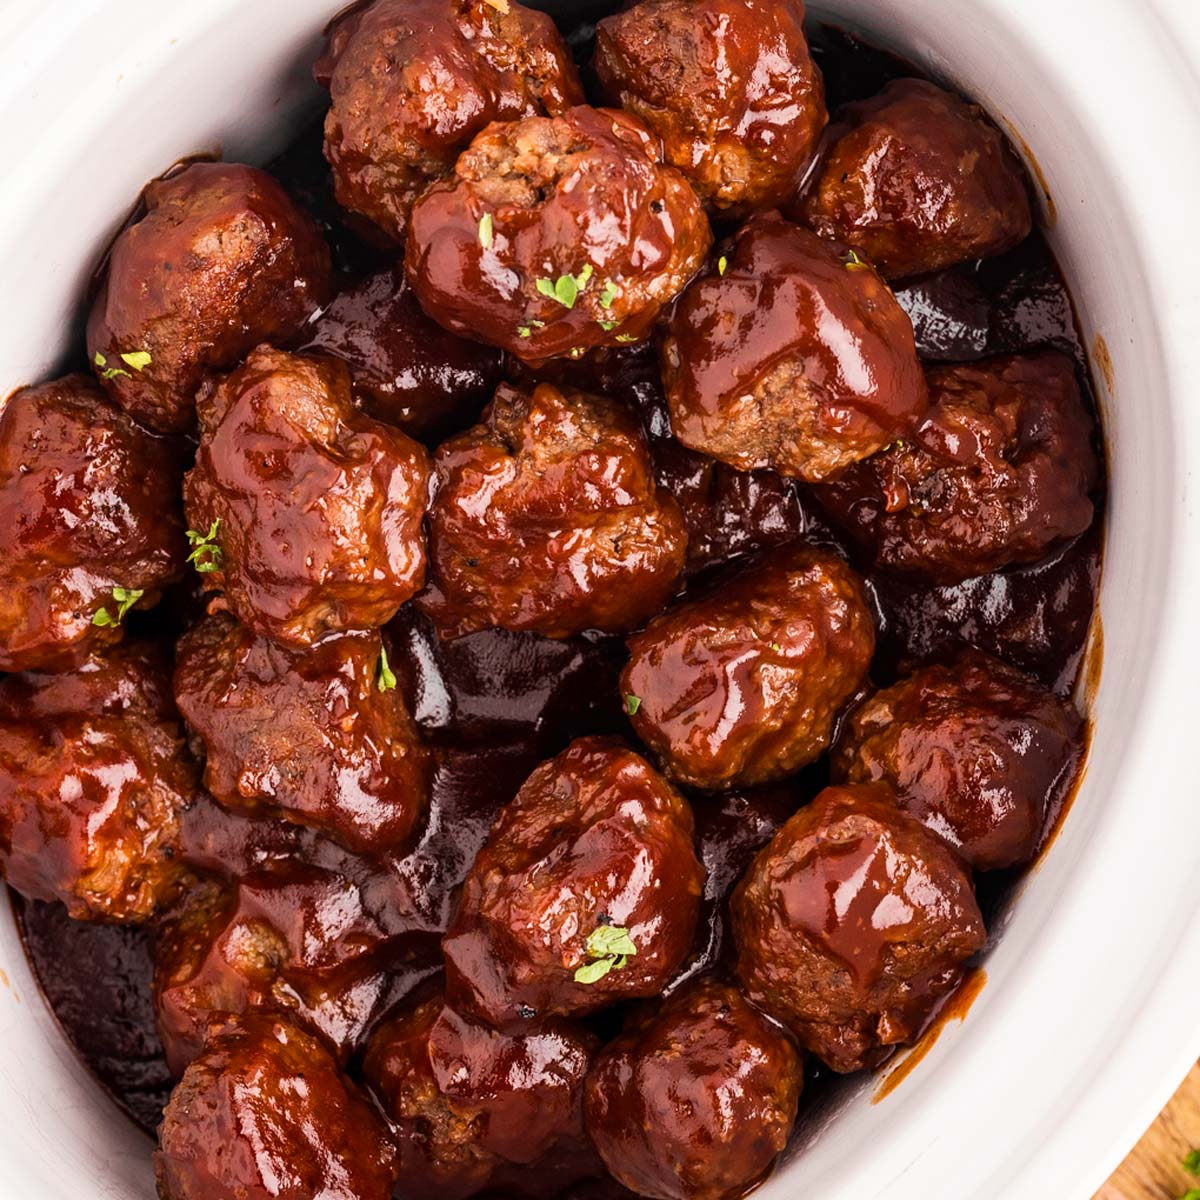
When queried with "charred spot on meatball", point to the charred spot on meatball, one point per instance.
{"points": [[340, 753], [728, 85], [556, 234], [976, 751], [473, 1109], [916, 180], [547, 518], [220, 261], [90, 523], [94, 775], [743, 685], [697, 1099], [586, 892], [406, 369], [791, 354], [314, 509], [851, 925], [1001, 471], [264, 1111], [412, 81]]}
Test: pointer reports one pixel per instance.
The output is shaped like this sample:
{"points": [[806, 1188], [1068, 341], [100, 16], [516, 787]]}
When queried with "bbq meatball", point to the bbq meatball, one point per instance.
{"points": [[475, 1110], [90, 523], [917, 179], [296, 940], [314, 510], [586, 892], [554, 235], [406, 369], [742, 685], [220, 261], [999, 472], [852, 923], [93, 777], [340, 752], [547, 518], [728, 85], [975, 750], [792, 355], [696, 1100], [412, 81], [265, 1112]]}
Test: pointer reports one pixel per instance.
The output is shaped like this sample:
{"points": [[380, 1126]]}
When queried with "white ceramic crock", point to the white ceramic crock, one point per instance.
{"points": [[1091, 1011]]}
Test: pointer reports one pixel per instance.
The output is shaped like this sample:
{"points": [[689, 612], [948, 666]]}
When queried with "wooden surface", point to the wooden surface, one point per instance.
{"points": [[1153, 1170]]}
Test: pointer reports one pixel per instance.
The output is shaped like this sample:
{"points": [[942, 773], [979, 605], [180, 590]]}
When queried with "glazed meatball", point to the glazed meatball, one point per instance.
{"points": [[742, 685], [314, 510], [695, 1101], [475, 1110], [93, 777], [791, 355], [586, 892], [412, 81], [339, 753], [999, 472], [917, 179], [976, 751], [265, 1112], [729, 87], [289, 938], [852, 924], [90, 523], [220, 261], [406, 369], [555, 235], [547, 518]]}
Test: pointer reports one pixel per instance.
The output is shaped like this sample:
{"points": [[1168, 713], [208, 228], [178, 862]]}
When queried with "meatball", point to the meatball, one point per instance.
{"points": [[999, 472], [742, 685], [313, 510], [90, 523], [555, 235], [220, 261], [265, 1112], [917, 179], [852, 924], [413, 81], [696, 1100], [791, 355], [976, 751], [340, 752], [406, 369], [728, 85], [586, 892], [297, 940], [93, 777], [473, 1109], [547, 518]]}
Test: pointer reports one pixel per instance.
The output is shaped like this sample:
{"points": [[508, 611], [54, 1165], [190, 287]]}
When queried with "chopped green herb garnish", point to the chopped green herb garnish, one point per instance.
{"points": [[106, 371], [626, 337], [566, 288], [206, 554], [722, 265], [776, 647], [385, 678], [609, 947], [1191, 1162], [610, 293], [854, 263], [126, 598], [485, 231], [632, 704], [1191, 1194], [607, 326], [139, 360], [527, 329]]}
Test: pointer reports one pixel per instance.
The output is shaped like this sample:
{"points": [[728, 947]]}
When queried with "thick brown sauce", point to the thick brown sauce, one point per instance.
{"points": [[494, 704]]}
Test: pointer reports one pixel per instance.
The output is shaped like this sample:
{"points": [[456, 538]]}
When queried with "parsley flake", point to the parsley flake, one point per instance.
{"points": [[126, 598], [609, 948], [1191, 1162], [632, 704], [626, 337], [566, 288], [106, 371], [206, 554], [486, 228], [722, 265], [854, 263], [610, 293], [139, 360], [607, 326], [385, 678]]}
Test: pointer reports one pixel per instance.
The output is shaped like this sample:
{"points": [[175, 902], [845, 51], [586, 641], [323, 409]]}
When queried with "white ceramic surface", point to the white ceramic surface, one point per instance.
{"points": [[1092, 1007]]}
